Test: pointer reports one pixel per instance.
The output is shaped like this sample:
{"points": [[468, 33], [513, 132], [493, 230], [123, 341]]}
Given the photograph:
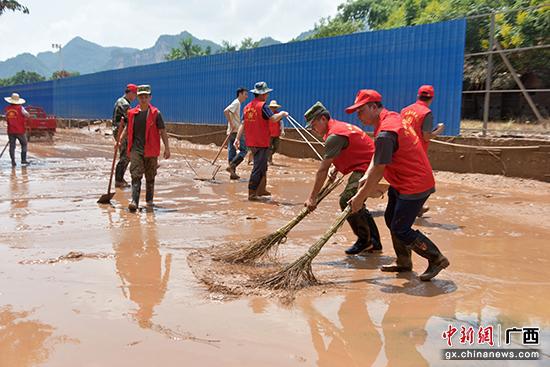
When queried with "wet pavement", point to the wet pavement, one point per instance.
{"points": [[132, 300]]}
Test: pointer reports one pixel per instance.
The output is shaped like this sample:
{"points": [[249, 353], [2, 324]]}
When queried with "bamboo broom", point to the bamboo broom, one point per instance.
{"points": [[256, 249], [299, 274]]}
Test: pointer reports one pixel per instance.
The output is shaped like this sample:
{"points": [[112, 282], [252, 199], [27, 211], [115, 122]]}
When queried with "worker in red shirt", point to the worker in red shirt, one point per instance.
{"points": [[276, 129], [349, 150], [400, 159], [15, 116], [419, 116], [257, 116]]}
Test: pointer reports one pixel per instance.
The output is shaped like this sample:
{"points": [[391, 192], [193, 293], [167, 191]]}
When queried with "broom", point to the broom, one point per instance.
{"points": [[258, 248], [299, 274]]}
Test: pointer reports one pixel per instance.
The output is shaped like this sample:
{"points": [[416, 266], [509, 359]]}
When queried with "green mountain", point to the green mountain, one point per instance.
{"points": [[87, 57]]}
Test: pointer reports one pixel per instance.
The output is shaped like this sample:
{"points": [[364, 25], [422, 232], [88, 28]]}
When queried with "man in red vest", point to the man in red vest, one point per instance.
{"points": [[257, 116], [420, 117], [15, 116], [350, 150], [400, 159], [144, 130]]}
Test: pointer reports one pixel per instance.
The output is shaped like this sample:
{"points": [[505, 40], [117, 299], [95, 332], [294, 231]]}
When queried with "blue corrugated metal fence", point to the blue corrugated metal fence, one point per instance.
{"points": [[395, 62]]}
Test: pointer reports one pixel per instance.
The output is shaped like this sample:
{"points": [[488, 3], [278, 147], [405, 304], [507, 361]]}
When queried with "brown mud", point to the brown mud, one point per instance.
{"points": [[139, 303]]}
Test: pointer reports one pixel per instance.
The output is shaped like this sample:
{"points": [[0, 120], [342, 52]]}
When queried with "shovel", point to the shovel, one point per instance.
{"points": [[106, 198]]}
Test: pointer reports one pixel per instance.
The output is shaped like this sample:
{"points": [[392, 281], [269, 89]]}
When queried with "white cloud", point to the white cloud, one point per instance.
{"points": [[138, 23]]}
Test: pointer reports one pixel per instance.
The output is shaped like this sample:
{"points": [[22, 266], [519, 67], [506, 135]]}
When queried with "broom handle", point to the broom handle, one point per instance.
{"points": [[220, 151], [3, 150], [329, 186], [306, 130], [314, 250], [305, 139], [114, 156]]}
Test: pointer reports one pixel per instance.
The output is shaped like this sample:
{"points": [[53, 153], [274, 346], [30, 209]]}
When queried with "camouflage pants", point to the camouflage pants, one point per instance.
{"points": [[141, 165], [362, 223], [351, 189]]}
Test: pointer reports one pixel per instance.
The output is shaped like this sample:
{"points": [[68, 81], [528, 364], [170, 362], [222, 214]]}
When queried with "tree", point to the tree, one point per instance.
{"points": [[514, 29], [329, 27], [187, 50], [227, 47], [248, 43], [60, 74], [13, 6], [22, 77]]}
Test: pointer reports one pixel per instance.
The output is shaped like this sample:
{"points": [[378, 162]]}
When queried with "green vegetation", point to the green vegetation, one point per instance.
{"points": [[521, 28]]}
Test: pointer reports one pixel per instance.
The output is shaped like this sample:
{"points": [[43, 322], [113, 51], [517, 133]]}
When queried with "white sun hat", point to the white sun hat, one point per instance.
{"points": [[14, 99]]}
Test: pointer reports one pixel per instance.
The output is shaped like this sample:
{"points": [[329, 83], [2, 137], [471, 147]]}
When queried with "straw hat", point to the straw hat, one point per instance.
{"points": [[274, 104], [14, 99]]}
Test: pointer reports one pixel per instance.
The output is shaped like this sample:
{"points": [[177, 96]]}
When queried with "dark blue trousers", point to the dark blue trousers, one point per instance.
{"points": [[400, 215]]}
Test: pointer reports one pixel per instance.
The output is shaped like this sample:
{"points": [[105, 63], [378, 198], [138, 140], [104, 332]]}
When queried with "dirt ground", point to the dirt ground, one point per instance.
{"points": [[88, 285]]}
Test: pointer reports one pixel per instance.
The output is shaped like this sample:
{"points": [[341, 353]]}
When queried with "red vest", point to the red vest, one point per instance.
{"points": [[15, 119], [256, 128], [275, 129], [358, 154], [152, 133], [410, 171], [414, 116]]}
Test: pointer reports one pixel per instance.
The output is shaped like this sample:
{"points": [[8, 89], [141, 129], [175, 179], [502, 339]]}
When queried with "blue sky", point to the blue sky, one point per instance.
{"points": [[138, 23]]}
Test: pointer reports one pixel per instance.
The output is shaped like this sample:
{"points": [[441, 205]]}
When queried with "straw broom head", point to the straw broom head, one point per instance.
{"points": [[261, 247], [299, 274]]}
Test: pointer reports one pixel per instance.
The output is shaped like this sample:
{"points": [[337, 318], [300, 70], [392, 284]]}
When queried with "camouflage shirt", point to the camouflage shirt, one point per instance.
{"points": [[120, 110]]}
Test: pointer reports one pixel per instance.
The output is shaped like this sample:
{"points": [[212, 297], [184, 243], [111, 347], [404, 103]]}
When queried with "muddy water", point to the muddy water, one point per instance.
{"points": [[139, 304]]}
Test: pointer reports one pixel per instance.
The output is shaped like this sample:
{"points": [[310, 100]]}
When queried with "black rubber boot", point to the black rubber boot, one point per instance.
{"points": [[149, 192], [403, 261], [360, 226], [136, 191], [424, 247]]}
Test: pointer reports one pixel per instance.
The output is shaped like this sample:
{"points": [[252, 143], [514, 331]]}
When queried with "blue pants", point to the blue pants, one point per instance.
{"points": [[231, 151], [259, 169], [23, 141], [400, 215]]}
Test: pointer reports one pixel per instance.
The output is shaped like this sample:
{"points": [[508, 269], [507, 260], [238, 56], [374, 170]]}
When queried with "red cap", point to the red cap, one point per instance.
{"points": [[426, 91], [363, 97], [132, 88]]}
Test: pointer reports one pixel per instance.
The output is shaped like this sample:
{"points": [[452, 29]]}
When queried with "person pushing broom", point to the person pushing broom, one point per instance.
{"points": [[400, 159], [350, 150]]}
